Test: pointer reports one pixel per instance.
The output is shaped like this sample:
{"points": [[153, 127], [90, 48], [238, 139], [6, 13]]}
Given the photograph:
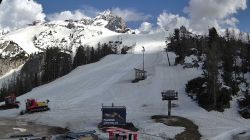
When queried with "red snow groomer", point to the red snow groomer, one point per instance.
{"points": [[10, 102], [33, 105]]}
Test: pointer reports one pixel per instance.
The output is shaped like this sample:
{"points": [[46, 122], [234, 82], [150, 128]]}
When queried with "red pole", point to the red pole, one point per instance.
{"points": [[111, 135], [135, 136]]}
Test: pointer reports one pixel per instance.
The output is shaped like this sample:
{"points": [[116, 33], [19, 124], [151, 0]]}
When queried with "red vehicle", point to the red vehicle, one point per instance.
{"points": [[10, 102], [116, 133], [33, 105]]}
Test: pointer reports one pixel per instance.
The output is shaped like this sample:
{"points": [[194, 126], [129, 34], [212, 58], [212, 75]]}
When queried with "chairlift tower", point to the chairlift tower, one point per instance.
{"points": [[140, 74], [143, 50], [166, 49], [169, 95]]}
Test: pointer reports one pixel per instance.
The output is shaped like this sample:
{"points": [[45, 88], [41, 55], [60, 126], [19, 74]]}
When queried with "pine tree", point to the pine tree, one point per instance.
{"points": [[212, 67], [123, 50], [3, 92], [88, 55], [51, 65], [248, 52], [227, 60], [92, 55], [80, 57], [98, 52]]}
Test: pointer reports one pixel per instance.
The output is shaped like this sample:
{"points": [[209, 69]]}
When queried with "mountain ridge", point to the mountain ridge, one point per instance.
{"points": [[39, 36]]}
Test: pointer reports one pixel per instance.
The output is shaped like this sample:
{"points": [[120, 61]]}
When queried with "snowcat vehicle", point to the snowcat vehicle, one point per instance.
{"points": [[33, 105], [10, 103]]}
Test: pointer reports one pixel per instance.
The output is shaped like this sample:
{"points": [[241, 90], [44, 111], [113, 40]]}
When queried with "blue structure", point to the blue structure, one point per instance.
{"points": [[113, 115]]}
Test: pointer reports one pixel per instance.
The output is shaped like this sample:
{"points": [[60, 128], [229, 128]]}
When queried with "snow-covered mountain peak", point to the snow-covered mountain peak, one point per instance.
{"points": [[70, 34], [67, 34], [104, 15], [115, 23]]}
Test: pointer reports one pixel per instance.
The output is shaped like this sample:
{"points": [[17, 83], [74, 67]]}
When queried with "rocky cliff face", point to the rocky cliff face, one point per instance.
{"points": [[10, 49], [11, 57], [115, 23]]}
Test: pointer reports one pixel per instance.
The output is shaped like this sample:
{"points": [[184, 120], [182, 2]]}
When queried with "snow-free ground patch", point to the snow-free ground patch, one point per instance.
{"points": [[191, 130]]}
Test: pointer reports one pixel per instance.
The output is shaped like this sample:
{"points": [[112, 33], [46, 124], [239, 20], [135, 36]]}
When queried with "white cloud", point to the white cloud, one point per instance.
{"points": [[85, 11], [217, 13], [204, 14], [19, 13], [168, 21], [215, 9], [127, 14], [130, 14], [230, 21], [145, 28], [201, 15], [75, 15]]}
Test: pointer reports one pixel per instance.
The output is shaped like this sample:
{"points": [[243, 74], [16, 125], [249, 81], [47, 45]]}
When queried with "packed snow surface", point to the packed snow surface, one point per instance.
{"points": [[24, 37], [76, 99], [5, 78], [37, 38]]}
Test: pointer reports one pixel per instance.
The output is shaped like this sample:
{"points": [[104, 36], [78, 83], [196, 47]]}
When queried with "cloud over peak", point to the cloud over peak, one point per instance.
{"points": [[145, 28], [19, 13], [130, 14], [200, 15], [127, 14], [168, 21], [75, 15]]}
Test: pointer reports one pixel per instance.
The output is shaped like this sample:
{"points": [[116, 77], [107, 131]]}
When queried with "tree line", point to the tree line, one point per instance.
{"points": [[225, 63], [42, 68]]}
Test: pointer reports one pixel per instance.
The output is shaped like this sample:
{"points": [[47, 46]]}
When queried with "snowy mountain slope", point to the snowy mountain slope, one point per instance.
{"points": [[87, 87], [151, 42], [23, 37], [68, 34], [54, 34], [39, 37], [9, 75], [76, 98]]}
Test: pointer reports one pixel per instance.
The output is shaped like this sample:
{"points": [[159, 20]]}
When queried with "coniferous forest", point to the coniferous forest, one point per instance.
{"points": [[47, 66], [224, 62]]}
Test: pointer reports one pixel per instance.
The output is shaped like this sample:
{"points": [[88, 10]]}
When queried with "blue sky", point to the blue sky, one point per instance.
{"points": [[148, 7], [154, 7], [244, 18], [145, 15]]}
